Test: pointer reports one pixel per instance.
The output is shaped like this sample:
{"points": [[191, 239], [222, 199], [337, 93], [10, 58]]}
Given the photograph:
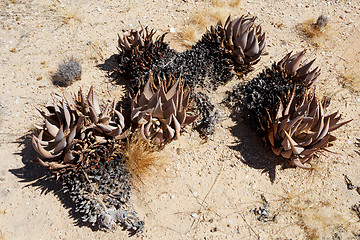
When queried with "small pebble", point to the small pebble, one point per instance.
{"points": [[195, 215]]}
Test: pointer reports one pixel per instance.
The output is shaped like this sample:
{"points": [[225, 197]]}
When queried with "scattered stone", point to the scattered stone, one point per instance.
{"points": [[195, 215], [263, 212]]}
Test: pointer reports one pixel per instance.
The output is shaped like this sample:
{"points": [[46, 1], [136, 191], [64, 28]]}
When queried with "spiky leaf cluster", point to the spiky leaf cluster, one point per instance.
{"points": [[69, 118], [277, 105], [138, 51], [81, 143], [254, 99], [300, 128], [211, 62], [240, 39], [161, 112], [236, 45]]}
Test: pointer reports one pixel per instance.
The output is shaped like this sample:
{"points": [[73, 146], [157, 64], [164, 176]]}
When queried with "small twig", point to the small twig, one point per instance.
{"points": [[203, 201], [342, 58], [349, 184], [243, 217]]}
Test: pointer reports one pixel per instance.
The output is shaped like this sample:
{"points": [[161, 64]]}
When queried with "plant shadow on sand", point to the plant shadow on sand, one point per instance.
{"points": [[39, 177], [110, 66], [254, 153]]}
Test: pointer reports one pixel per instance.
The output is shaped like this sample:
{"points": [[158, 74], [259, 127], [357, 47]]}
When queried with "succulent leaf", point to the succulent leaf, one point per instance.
{"points": [[67, 120], [297, 134], [161, 113], [241, 40]]}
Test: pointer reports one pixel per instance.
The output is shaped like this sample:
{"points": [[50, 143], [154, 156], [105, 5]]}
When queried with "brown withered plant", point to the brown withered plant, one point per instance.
{"points": [[300, 128], [161, 112], [69, 119], [241, 40]]}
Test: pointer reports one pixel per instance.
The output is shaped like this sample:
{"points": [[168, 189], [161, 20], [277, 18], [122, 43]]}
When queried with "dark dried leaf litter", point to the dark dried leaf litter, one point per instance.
{"points": [[100, 188]]}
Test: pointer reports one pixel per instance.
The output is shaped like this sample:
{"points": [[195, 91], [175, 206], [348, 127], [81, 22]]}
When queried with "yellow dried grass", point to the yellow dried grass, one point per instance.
{"points": [[200, 20], [320, 220], [314, 33], [323, 221], [67, 10], [350, 81], [143, 161]]}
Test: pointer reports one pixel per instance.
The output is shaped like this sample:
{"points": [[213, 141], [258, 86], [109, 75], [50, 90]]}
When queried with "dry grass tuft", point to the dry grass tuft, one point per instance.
{"points": [[143, 160], [349, 50], [222, 3], [217, 10], [2, 235], [350, 81], [315, 30], [323, 222], [6, 3], [319, 220], [67, 10]]}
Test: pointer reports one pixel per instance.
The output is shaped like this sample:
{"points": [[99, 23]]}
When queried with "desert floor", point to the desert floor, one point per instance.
{"points": [[209, 187]]}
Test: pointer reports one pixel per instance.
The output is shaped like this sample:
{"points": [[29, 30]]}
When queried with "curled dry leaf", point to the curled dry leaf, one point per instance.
{"points": [[300, 128], [70, 118], [160, 112]]}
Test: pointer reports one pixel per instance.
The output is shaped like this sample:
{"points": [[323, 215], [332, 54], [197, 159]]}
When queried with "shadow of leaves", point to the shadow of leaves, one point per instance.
{"points": [[41, 178], [254, 153], [111, 67]]}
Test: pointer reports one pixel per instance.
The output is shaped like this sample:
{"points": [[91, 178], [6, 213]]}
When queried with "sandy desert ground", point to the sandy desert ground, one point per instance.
{"points": [[209, 187]]}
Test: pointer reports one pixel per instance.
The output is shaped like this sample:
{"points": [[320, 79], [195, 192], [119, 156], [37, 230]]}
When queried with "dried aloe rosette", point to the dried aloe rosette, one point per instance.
{"points": [[138, 51], [263, 93], [108, 123], [161, 113], [297, 71], [71, 118], [240, 39], [300, 128]]}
